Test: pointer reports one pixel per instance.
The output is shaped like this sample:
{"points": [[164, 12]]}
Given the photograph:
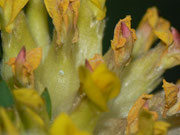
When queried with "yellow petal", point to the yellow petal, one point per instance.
{"points": [[162, 31], [91, 90], [33, 119], [100, 9], [145, 29], [29, 97], [151, 17], [7, 124], [59, 12], [16, 8], [166, 37], [2, 3], [145, 123], [75, 6], [100, 85], [63, 125], [134, 112], [107, 81], [161, 127], [54, 12], [34, 57], [171, 92], [96, 61]]}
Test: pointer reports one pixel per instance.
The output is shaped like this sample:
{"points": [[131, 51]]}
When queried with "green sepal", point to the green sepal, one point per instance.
{"points": [[45, 95], [6, 97]]}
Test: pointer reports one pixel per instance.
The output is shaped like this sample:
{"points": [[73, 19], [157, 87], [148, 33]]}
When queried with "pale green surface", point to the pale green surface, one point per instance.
{"points": [[90, 33], [38, 24], [12, 43], [140, 76], [59, 71]]}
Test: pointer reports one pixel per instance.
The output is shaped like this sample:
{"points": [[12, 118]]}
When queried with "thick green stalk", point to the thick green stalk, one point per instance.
{"points": [[141, 76], [58, 73], [90, 33]]}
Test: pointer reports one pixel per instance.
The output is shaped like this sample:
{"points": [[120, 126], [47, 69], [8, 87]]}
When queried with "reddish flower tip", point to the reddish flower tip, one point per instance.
{"points": [[125, 30], [22, 55], [88, 66], [176, 35]]}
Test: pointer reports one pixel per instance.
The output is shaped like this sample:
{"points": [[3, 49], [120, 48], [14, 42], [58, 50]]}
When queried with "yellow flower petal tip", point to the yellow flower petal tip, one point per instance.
{"points": [[100, 86], [162, 31], [63, 125], [24, 65], [12, 9], [29, 97], [165, 37], [150, 17], [123, 34]]}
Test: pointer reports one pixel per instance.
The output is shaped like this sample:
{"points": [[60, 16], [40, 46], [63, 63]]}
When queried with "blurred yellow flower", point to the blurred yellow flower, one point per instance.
{"points": [[100, 86], [63, 125]]}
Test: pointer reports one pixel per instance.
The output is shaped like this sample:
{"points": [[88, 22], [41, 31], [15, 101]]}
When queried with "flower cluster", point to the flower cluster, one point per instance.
{"points": [[59, 82]]}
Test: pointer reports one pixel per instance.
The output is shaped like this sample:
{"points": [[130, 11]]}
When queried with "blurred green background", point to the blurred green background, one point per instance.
{"points": [[118, 9]]}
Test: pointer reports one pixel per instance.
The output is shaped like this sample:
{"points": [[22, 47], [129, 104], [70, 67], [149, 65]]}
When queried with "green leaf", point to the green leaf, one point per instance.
{"points": [[6, 96], [46, 97]]}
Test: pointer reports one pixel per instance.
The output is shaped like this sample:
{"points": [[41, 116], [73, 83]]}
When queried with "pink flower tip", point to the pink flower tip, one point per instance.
{"points": [[125, 30]]}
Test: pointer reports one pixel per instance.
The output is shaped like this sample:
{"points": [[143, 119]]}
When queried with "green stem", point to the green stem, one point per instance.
{"points": [[90, 33]]}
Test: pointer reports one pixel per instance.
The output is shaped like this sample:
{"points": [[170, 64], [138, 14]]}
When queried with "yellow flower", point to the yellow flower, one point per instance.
{"points": [[100, 86], [9, 128], [151, 27], [172, 100], [63, 125], [148, 126], [24, 65], [132, 119], [29, 97], [11, 9], [99, 8], [171, 92], [161, 127], [33, 107], [162, 31], [59, 11]]}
